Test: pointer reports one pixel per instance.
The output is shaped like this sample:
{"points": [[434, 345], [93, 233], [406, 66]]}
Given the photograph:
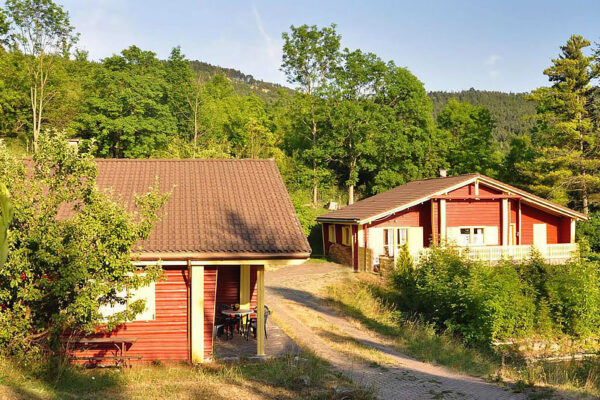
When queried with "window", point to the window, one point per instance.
{"points": [[402, 237], [346, 236], [331, 233], [388, 239], [471, 236], [142, 293]]}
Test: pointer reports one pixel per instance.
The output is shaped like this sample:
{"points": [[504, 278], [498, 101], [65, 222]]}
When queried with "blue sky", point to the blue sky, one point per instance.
{"points": [[448, 44]]}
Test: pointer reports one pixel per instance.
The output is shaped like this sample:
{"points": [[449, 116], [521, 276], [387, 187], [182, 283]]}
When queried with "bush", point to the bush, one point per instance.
{"points": [[483, 303]]}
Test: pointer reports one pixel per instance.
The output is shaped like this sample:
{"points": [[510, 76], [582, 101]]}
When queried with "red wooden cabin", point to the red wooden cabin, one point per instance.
{"points": [[491, 219], [225, 220]]}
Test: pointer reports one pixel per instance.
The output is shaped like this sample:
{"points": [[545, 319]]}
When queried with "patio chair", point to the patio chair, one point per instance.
{"points": [[224, 323], [253, 321]]}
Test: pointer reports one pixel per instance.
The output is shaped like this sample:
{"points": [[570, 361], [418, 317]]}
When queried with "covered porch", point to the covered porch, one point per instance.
{"points": [[220, 286]]}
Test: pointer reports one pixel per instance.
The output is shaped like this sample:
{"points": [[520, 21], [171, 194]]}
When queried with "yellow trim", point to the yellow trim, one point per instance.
{"points": [[245, 286], [197, 309], [260, 313]]}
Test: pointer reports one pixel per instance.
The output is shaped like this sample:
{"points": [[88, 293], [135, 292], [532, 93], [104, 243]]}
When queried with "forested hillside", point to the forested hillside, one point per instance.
{"points": [[354, 125], [242, 83], [512, 113]]}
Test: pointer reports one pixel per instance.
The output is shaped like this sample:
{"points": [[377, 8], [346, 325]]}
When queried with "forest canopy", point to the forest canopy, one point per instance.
{"points": [[353, 124]]}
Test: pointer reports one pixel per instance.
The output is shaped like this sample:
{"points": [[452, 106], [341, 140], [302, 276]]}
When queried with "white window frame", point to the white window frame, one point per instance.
{"points": [[149, 313], [472, 235], [401, 235]]}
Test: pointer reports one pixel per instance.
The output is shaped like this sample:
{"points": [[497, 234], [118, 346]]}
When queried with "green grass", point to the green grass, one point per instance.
{"points": [[356, 298], [367, 299], [306, 377]]}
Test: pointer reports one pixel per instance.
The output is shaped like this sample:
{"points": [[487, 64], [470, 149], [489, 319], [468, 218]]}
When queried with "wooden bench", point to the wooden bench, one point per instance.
{"points": [[120, 349]]}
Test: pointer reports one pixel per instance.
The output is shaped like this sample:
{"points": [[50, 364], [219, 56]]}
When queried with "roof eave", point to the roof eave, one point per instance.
{"points": [[220, 256]]}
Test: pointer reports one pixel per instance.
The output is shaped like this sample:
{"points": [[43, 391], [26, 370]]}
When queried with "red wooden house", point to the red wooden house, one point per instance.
{"points": [[491, 219], [225, 220]]}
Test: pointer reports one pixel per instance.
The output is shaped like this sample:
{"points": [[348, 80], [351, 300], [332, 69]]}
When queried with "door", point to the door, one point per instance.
{"points": [[540, 238]]}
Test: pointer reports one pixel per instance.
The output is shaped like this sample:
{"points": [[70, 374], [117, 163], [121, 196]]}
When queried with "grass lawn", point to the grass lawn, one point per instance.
{"points": [[283, 378], [363, 297]]}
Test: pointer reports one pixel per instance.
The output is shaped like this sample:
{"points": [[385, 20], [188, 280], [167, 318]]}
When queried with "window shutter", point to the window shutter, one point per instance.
{"points": [[415, 240], [453, 235], [490, 235], [147, 293]]}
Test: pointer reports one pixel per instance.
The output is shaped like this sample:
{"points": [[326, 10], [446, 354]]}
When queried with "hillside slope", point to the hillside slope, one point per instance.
{"points": [[509, 110]]}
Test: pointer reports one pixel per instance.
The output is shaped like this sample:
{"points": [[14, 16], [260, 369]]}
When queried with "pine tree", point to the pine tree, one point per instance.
{"points": [[566, 169]]}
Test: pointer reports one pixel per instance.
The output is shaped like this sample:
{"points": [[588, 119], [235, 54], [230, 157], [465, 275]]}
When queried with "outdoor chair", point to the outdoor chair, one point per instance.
{"points": [[253, 321], [224, 323]]}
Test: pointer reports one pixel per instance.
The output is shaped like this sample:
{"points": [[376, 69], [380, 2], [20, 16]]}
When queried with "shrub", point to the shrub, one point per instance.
{"points": [[483, 302]]}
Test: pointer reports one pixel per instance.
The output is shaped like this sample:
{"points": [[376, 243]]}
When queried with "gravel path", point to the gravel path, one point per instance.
{"points": [[402, 378]]}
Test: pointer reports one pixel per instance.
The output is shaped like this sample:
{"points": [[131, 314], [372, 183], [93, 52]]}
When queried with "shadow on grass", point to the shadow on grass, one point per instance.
{"points": [[411, 338]]}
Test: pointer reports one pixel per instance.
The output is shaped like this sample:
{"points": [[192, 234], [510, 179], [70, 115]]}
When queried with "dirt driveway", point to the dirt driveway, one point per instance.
{"points": [[361, 355]]}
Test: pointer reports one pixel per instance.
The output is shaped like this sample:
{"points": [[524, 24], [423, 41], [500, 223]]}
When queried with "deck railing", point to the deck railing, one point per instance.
{"points": [[550, 252]]}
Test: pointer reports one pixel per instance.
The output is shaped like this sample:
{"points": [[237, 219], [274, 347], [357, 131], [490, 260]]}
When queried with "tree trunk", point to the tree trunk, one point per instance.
{"points": [[314, 145], [350, 194]]}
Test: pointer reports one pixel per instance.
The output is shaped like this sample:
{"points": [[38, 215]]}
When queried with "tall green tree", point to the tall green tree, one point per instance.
{"points": [[310, 56], [565, 135], [41, 30], [470, 148], [186, 95], [408, 144], [63, 266], [127, 106]]}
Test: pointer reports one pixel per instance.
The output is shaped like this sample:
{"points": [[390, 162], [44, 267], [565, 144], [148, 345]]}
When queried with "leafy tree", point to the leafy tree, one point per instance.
{"points": [[310, 55], [565, 135], [355, 116], [127, 109], [408, 144], [70, 248], [186, 95], [41, 30], [471, 148]]}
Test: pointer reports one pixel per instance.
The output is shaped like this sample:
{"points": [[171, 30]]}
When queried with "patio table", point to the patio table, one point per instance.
{"points": [[241, 314]]}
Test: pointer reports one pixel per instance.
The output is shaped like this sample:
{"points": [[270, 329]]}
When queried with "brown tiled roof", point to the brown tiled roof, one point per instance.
{"points": [[393, 198], [218, 208], [421, 190]]}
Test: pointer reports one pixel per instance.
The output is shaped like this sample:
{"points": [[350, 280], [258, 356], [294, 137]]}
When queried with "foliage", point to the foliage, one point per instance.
{"points": [[41, 30], [470, 148], [510, 111], [70, 248], [565, 136], [483, 302], [590, 232]]}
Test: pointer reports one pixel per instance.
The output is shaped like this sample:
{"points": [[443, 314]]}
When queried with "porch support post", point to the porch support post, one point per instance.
{"points": [[260, 312], [443, 222], [572, 230], [197, 311], [505, 222], [245, 286]]}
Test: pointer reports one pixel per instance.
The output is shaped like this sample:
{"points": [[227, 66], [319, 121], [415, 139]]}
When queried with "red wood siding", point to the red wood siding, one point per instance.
{"points": [[418, 215], [486, 190], [564, 230], [531, 215], [467, 190], [338, 234], [210, 285], [166, 337], [253, 287], [228, 287], [474, 213]]}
